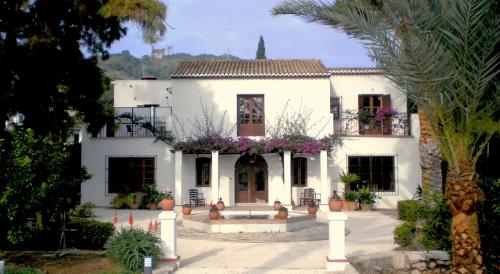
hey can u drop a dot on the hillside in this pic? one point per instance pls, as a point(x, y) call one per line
point(126, 66)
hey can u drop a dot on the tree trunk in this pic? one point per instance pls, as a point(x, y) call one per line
point(430, 158)
point(463, 196)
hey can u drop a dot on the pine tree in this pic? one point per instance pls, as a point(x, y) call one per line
point(261, 49)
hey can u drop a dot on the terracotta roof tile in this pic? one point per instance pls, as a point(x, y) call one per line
point(250, 69)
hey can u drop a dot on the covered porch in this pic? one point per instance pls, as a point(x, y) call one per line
point(251, 179)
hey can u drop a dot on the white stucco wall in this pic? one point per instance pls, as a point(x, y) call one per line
point(348, 87)
point(222, 94)
point(95, 150)
point(131, 93)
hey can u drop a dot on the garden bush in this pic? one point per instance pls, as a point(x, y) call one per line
point(84, 211)
point(89, 234)
point(22, 270)
point(436, 228)
point(489, 222)
point(409, 210)
point(403, 234)
point(130, 245)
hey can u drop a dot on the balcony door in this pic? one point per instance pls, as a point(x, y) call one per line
point(368, 106)
point(251, 179)
point(251, 115)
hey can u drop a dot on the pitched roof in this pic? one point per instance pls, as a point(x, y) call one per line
point(355, 70)
point(250, 69)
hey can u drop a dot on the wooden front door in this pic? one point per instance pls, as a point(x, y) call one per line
point(251, 180)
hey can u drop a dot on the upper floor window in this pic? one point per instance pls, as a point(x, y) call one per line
point(335, 107)
point(203, 166)
point(251, 115)
point(130, 174)
point(376, 172)
point(299, 171)
point(368, 106)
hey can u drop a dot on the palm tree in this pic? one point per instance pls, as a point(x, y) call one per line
point(442, 55)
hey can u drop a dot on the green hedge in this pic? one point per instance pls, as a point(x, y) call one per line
point(22, 270)
point(403, 234)
point(89, 234)
point(409, 210)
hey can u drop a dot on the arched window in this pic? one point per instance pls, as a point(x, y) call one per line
point(203, 166)
point(299, 171)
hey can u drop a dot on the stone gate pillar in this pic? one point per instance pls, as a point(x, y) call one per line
point(336, 260)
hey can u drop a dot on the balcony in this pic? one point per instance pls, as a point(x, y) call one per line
point(134, 122)
point(359, 123)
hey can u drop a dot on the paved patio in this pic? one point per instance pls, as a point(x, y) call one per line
point(369, 233)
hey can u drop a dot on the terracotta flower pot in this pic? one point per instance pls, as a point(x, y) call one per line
point(167, 204)
point(220, 206)
point(335, 205)
point(186, 211)
point(152, 206)
point(366, 207)
point(277, 206)
point(349, 206)
point(282, 214)
point(213, 215)
point(312, 210)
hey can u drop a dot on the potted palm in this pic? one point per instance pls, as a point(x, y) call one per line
point(283, 213)
point(313, 208)
point(213, 212)
point(350, 201)
point(335, 202)
point(186, 209)
point(349, 179)
point(151, 198)
point(366, 199)
point(277, 205)
point(167, 202)
point(220, 205)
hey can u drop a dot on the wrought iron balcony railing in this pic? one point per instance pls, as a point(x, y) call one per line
point(136, 122)
point(355, 123)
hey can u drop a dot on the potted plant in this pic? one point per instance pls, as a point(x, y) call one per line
point(122, 200)
point(152, 197)
point(349, 179)
point(186, 209)
point(167, 202)
point(366, 199)
point(313, 208)
point(277, 205)
point(213, 212)
point(350, 201)
point(220, 205)
point(282, 213)
point(335, 202)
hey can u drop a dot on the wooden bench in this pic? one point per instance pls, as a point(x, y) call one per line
point(308, 196)
point(196, 198)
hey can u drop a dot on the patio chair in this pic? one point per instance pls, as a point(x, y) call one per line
point(308, 196)
point(196, 198)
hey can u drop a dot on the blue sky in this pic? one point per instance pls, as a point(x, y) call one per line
point(234, 27)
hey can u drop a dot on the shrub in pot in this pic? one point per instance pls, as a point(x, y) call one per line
point(220, 205)
point(123, 200)
point(277, 205)
point(366, 199)
point(152, 197)
point(167, 202)
point(213, 212)
point(350, 201)
point(349, 179)
point(313, 208)
point(335, 202)
point(283, 213)
point(186, 209)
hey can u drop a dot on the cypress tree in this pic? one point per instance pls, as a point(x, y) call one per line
point(261, 49)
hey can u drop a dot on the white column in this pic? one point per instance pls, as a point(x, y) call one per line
point(336, 260)
point(287, 177)
point(325, 186)
point(214, 178)
point(168, 237)
point(178, 177)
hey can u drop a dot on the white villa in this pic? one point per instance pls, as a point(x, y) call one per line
point(251, 95)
